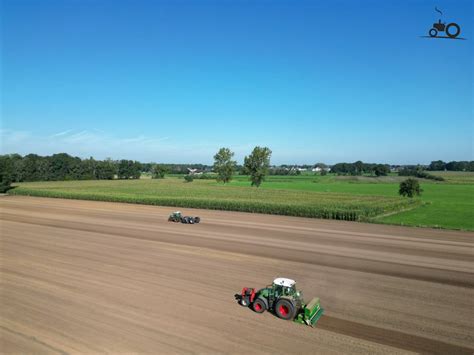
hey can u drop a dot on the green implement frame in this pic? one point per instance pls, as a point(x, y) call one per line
point(310, 313)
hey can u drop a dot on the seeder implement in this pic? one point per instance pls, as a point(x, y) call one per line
point(310, 313)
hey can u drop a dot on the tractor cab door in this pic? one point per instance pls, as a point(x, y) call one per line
point(280, 291)
point(273, 294)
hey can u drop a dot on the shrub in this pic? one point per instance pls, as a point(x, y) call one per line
point(188, 178)
point(410, 187)
point(205, 176)
point(419, 173)
point(158, 171)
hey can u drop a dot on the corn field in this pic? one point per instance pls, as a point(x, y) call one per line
point(205, 194)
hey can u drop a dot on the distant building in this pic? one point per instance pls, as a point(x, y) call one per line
point(318, 169)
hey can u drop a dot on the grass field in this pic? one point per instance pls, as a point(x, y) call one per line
point(448, 204)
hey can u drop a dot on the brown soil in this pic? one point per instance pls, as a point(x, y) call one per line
point(96, 277)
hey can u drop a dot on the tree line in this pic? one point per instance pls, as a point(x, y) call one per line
point(62, 166)
point(418, 172)
point(360, 168)
point(439, 165)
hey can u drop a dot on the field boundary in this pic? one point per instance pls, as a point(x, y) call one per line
point(399, 211)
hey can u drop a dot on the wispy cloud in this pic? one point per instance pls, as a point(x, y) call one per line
point(61, 133)
point(91, 142)
point(100, 145)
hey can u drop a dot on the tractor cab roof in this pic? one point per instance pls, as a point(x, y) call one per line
point(281, 281)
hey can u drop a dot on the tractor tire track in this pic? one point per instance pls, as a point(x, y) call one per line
point(389, 337)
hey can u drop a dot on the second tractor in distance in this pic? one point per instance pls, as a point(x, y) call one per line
point(178, 217)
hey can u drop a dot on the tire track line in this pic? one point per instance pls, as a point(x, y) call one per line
point(388, 268)
point(389, 337)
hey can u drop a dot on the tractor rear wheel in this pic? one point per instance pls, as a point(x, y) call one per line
point(285, 309)
point(259, 305)
point(455, 33)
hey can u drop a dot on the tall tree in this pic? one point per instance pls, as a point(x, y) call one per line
point(257, 164)
point(357, 168)
point(106, 169)
point(124, 169)
point(224, 166)
point(437, 165)
point(6, 173)
point(158, 171)
point(129, 169)
point(381, 170)
point(136, 170)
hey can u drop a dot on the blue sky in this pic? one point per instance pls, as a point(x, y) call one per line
point(172, 81)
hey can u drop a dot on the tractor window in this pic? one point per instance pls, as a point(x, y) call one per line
point(288, 291)
point(278, 290)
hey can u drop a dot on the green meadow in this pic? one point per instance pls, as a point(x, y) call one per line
point(448, 204)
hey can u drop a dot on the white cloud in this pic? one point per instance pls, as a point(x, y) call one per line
point(101, 145)
point(87, 143)
point(61, 133)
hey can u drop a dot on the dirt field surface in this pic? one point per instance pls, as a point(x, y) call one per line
point(95, 277)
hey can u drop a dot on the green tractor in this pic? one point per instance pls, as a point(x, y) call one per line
point(178, 217)
point(284, 300)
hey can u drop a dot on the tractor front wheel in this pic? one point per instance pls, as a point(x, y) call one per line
point(433, 32)
point(259, 305)
point(284, 309)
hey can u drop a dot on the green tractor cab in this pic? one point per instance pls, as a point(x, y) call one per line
point(284, 300)
point(178, 217)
